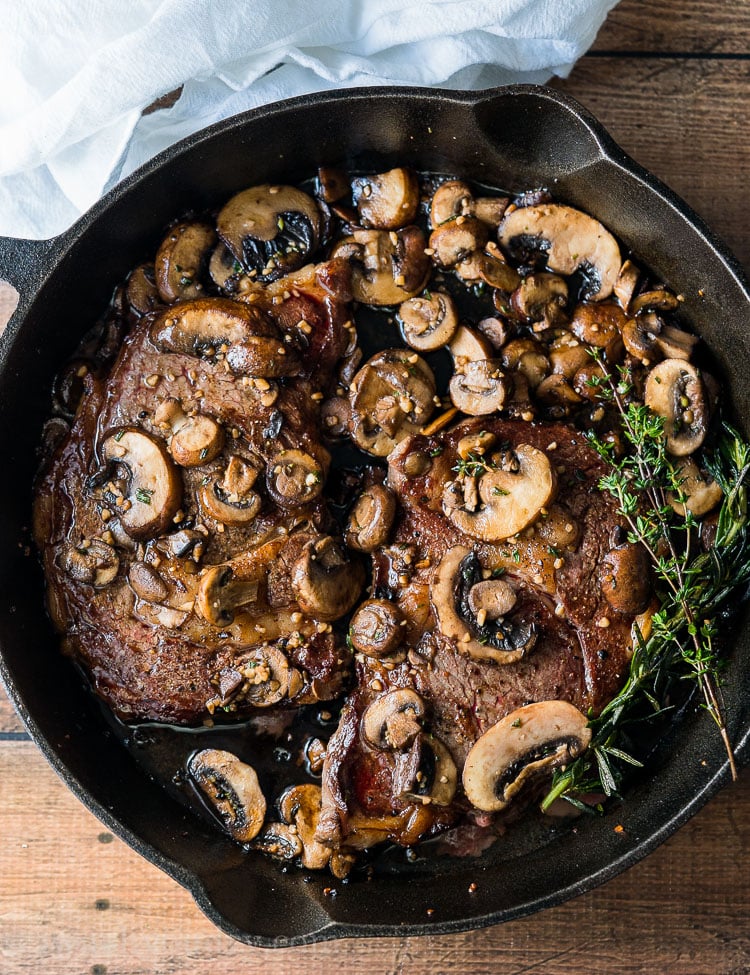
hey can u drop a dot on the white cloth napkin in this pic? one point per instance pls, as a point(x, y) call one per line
point(75, 75)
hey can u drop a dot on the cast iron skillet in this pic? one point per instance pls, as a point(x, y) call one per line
point(512, 137)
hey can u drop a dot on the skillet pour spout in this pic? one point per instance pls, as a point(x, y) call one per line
point(512, 137)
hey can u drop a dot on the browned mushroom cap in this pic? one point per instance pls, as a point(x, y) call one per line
point(229, 496)
point(392, 721)
point(557, 394)
point(450, 200)
point(93, 561)
point(566, 354)
point(153, 488)
point(458, 239)
point(300, 807)
point(371, 519)
point(325, 581)
point(698, 492)
point(527, 357)
point(657, 300)
point(451, 598)
point(428, 322)
point(270, 230)
point(295, 477)
point(387, 266)
point(508, 499)
point(147, 583)
point(495, 330)
point(625, 579)
point(233, 790)
point(541, 297)
point(490, 209)
point(333, 184)
point(336, 413)
point(196, 439)
point(180, 259)
point(391, 398)
point(674, 390)
point(528, 742)
point(242, 333)
point(140, 291)
point(387, 201)
point(490, 268)
point(376, 628)
point(639, 336)
point(597, 324)
point(480, 388)
point(569, 238)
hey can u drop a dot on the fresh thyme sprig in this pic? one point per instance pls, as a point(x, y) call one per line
point(693, 585)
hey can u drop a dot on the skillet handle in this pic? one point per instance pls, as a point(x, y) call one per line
point(23, 265)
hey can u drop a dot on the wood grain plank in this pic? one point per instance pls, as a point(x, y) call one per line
point(686, 121)
point(697, 27)
point(10, 723)
point(72, 891)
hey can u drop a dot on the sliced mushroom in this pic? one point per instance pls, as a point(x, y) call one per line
point(387, 201)
point(333, 184)
point(625, 579)
point(393, 721)
point(220, 594)
point(261, 677)
point(558, 395)
point(639, 336)
point(659, 300)
point(468, 345)
point(475, 443)
point(542, 298)
point(300, 807)
point(570, 240)
point(457, 240)
point(223, 267)
point(279, 840)
point(674, 390)
point(567, 355)
point(450, 200)
point(147, 583)
point(180, 259)
point(509, 500)
point(488, 267)
point(491, 599)
point(376, 629)
point(427, 773)
point(480, 388)
point(598, 324)
point(242, 333)
point(271, 230)
point(428, 322)
point(196, 439)
point(699, 493)
point(529, 742)
point(326, 583)
point(154, 488)
point(233, 790)
point(294, 477)
point(371, 519)
point(626, 283)
point(93, 561)
point(141, 292)
point(387, 266)
point(230, 498)
point(527, 357)
point(391, 398)
point(495, 330)
point(457, 576)
point(675, 343)
point(490, 209)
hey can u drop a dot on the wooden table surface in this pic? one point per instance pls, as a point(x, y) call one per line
point(671, 81)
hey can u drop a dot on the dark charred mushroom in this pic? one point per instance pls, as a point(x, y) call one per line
point(93, 561)
point(387, 266)
point(270, 230)
point(625, 579)
point(152, 489)
point(508, 499)
point(477, 633)
point(371, 519)
point(569, 239)
point(525, 744)
point(242, 333)
point(480, 387)
point(674, 390)
point(376, 629)
point(387, 201)
point(229, 497)
point(233, 790)
point(196, 439)
point(325, 581)
point(392, 721)
point(427, 323)
point(391, 398)
point(180, 259)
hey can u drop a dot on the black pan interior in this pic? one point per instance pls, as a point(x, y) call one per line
point(514, 138)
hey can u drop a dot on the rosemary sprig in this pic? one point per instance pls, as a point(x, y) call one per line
point(693, 586)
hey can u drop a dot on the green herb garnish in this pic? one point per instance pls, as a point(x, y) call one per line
point(143, 495)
